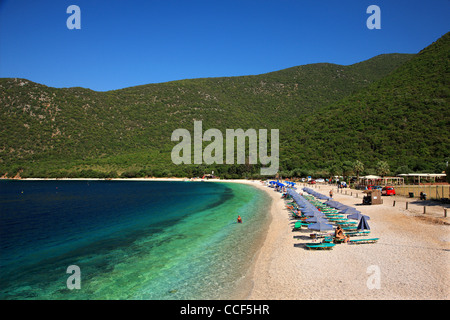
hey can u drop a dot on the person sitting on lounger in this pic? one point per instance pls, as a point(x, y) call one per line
point(340, 235)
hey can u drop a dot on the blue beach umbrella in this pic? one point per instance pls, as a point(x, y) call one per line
point(322, 196)
point(330, 202)
point(337, 205)
point(357, 216)
point(313, 213)
point(316, 219)
point(363, 225)
point(309, 213)
point(349, 210)
point(320, 226)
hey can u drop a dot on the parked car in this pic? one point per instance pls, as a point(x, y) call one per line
point(312, 182)
point(342, 184)
point(320, 180)
point(388, 191)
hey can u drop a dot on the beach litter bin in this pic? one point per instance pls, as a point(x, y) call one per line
point(411, 194)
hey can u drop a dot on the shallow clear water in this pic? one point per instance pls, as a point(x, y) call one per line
point(131, 239)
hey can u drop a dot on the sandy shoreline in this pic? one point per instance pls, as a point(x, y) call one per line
point(412, 255)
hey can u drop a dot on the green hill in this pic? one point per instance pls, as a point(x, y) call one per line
point(402, 119)
point(325, 113)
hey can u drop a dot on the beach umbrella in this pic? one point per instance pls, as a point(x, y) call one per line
point(309, 213)
point(313, 214)
point(342, 207)
point(349, 210)
point(337, 205)
point(320, 226)
point(321, 196)
point(330, 202)
point(357, 216)
point(363, 225)
point(316, 219)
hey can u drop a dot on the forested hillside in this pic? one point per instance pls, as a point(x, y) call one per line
point(391, 108)
point(402, 119)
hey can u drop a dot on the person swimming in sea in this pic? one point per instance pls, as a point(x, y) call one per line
point(239, 220)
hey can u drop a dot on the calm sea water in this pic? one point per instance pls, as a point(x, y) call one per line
point(130, 239)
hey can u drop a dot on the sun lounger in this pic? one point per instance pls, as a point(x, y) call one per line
point(320, 246)
point(349, 228)
point(332, 239)
point(321, 235)
point(294, 215)
point(355, 233)
point(361, 241)
point(299, 224)
point(342, 220)
point(346, 223)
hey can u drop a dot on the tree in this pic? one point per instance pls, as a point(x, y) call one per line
point(447, 172)
point(358, 167)
point(382, 168)
point(335, 170)
point(347, 169)
point(403, 169)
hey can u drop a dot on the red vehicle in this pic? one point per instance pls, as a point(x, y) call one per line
point(388, 191)
point(312, 182)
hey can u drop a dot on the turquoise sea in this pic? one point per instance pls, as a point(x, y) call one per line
point(130, 239)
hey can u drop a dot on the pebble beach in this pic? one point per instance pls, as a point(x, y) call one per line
point(411, 259)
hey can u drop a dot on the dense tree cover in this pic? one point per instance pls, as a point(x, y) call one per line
point(402, 119)
point(333, 120)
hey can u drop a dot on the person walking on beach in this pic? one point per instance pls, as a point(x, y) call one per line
point(331, 193)
point(239, 220)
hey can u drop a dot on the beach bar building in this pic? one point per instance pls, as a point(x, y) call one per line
point(425, 177)
point(380, 181)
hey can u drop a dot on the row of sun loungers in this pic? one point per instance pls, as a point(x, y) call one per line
point(330, 245)
point(328, 241)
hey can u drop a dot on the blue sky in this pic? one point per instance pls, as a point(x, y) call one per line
point(127, 43)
